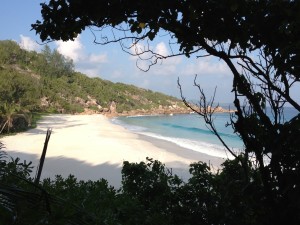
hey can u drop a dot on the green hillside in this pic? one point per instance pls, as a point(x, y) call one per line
point(47, 83)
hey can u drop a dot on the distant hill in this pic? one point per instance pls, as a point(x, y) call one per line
point(47, 82)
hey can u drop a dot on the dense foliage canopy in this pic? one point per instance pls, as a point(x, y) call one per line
point(149, 194)
point(258, 40)
point(271, 26)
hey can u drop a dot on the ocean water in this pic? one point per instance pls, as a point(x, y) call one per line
point(189, 131)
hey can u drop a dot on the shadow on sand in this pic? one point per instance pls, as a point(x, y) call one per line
point(66, 166)
point(84, 171)
point(60, 121)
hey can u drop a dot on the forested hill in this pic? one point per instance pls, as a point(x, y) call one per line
point(47, 82)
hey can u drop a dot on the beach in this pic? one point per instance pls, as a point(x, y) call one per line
point(91, 147)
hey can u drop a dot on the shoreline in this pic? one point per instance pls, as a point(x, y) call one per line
point(92, 147)
point(189, 154)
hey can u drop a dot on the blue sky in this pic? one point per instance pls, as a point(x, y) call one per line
point(111, 63)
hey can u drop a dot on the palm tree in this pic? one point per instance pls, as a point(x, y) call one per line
point(8, 111)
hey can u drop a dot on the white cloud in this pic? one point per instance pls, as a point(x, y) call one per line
point(163, 67)
point(168, 66)
point(28, 44)
point(140, 56)
point(89, 64)
point(93, 58)
point(206, 66)
point(91, 72)
point(161, 49)
point(71, 49)
point(137, 48)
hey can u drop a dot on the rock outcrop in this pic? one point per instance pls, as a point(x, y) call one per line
point(92, 106)
point(169, 110)
point(113, 107)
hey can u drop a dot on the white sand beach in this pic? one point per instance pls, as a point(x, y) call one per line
point(91, 147)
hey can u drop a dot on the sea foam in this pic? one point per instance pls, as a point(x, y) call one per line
point(198, 146)
point(194, 145)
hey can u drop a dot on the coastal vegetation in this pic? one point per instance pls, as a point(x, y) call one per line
point(46, 82)
point(259, 41)
point(149, 194)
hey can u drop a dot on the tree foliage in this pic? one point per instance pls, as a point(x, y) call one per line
point(55, 64)
point(23, 202)
point(258, 40)
point(149, 194)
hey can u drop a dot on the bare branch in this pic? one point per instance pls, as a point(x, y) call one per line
point(205, 110)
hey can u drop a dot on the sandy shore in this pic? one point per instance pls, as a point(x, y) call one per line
point(91, 147)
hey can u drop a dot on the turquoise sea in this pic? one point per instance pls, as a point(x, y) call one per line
point(188, 130)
